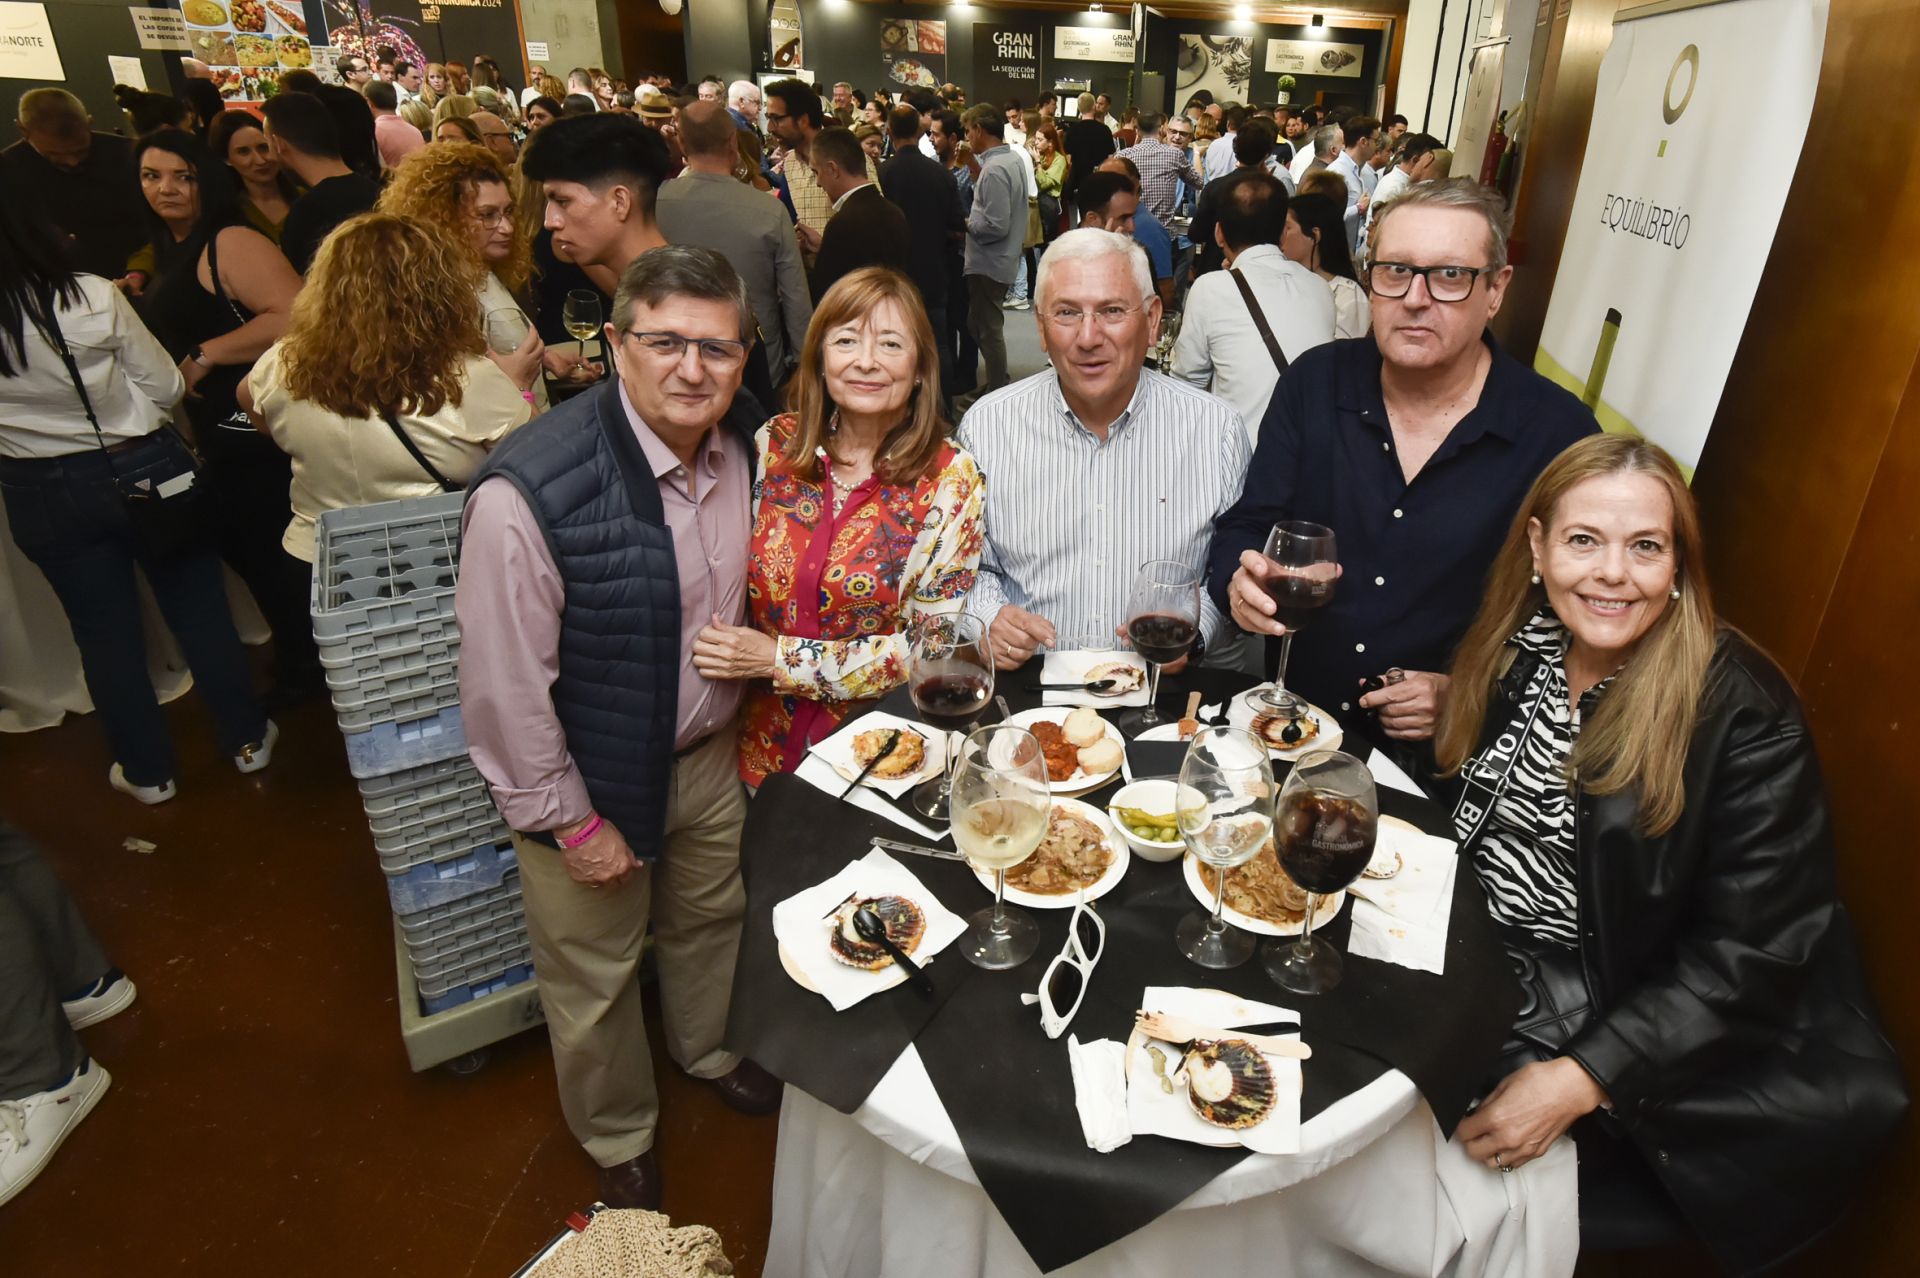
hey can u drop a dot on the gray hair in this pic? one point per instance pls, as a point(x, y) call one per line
point(1326, 141)
point(739, 92)
point(680, 270)
point(1087, 244)
point(1453, 193)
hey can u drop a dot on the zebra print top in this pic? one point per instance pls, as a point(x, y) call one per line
point(1525, 856)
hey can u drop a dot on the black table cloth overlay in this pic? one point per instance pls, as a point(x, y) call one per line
point(1008, 1088)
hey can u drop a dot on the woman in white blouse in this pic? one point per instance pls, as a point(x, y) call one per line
point(80, 443)
point(1316, 237)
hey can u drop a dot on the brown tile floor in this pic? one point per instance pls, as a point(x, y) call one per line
point(263, 1118)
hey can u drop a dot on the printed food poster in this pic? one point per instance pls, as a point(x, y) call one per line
point(915, 53)
point(247, 43)
point(1223, 65)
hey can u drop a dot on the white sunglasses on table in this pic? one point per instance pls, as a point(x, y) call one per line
point(1075, 957)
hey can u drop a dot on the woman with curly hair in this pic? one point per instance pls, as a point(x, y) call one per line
point(467, 190)
point(382, 394)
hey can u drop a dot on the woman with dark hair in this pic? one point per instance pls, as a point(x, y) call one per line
point(1638, 794)
point(223, 295)
point(148, 111)
point(1316, 238)
point(266, 191)
point(541, 112)
point(457, 129)
point(77, 441)
point(868, 523)
point(203, 97)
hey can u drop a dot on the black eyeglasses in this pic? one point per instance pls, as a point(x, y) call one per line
point(722, 353)
point(1444, 283)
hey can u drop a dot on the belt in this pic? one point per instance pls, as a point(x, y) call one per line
point(701, 744)
point(545, 837)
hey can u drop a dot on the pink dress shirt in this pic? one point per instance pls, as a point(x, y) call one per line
point(509, 603)
point(396, 139)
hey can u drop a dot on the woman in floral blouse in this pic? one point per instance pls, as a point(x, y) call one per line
point(867, 522)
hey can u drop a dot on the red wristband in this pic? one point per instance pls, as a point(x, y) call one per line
point(585, 832)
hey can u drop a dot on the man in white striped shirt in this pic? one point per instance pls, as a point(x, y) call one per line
point(1096, 465)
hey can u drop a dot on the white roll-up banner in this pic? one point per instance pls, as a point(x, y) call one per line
point(1679, 197)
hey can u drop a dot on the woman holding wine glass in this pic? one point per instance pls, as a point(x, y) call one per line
point(867, 526)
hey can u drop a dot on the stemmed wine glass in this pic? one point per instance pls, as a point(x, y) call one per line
point(1305, 567)
point(1163, 619)
point(506, 329)
point(1324, 830)
point(580, 316)
point(950, 677)
point(1224, 806)
point(1001, 805)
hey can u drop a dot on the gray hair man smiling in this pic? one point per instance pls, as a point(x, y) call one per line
point(1097, 464)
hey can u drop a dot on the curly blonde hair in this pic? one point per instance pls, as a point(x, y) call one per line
point(386, 321)
point(436, 186)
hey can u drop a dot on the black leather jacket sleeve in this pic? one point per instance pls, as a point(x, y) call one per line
point(1732, 906)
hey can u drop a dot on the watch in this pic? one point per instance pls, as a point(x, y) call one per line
point(199, 357)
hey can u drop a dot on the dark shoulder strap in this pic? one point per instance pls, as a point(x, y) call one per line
point(1260, 320)
point(213, 273)
point(73, 368)
point(413, 450)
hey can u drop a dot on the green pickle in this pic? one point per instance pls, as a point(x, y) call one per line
point(1149, 825)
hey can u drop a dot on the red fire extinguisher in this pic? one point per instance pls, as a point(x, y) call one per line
point(1496, 147)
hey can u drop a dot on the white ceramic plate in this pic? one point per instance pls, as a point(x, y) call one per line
point(1240, 713)
point(1080, 782)
point(1100, 886)
point(1325, 907)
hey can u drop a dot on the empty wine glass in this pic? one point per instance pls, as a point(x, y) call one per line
point(1001, 806)
point(1324, 830)
point(1305, 566)
point(1224, 807)
point(950, 677)
point(1163, 620)
point(506, 329)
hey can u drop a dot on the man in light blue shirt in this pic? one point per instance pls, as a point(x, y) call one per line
point(996, 233)
point(1096, 465)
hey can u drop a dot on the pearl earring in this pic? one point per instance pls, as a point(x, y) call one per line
point(1675, 592)
point(1536, 579)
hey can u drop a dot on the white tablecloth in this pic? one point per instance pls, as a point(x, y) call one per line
point(1375, 1190)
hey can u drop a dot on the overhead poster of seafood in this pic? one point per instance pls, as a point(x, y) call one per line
point(1315, 57)
point(914, 53)
point(1223, 65)
point(247, 43)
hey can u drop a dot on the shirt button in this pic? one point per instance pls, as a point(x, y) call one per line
point(1385, 447)
point(1359, 647)
point(1397, 514)
point(1379, 581)
point(1345, 706)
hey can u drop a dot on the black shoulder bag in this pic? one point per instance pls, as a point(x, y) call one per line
point(164, 507)
point(1260, 320)
point(413, 451)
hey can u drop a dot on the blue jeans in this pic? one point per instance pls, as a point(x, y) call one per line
point(69, 518)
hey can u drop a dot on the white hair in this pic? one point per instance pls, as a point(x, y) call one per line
point(1087, 244)
point(737, 92)
point(1326, 141)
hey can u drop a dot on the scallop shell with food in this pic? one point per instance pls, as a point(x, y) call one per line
point(1229, 1083)
point(906, 924)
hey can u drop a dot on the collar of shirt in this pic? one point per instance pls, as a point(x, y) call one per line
point(1343, 163)
point(849, 195)
point(1360, 392)
point(1127, 414)
point(662, 459)
point(1545, 635)
point(1257, 253)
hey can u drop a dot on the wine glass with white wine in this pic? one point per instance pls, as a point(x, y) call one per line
point(1001, 806)
point(580, 316)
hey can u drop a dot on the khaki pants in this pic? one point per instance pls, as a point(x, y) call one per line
point(586, 955)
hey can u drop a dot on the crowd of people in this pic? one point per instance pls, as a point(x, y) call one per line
point(696, 543)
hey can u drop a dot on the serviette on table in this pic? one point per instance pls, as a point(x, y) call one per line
point(800, 923)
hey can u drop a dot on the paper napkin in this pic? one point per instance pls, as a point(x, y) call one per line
point(801, 925)
point(837, 752)
point(1151, 1111)
point(818, 773)
point(1100, 1091)
point(1404, 919)
point(1072, 667)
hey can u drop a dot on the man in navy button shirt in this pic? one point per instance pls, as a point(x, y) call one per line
point(1415, 446)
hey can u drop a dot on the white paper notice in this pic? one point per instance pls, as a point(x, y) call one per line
point(27, 50)
point(161, 29)
point(127, 71)
point(537, 51)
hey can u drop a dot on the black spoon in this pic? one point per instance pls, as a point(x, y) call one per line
point(1098, 688)
point(873, 929)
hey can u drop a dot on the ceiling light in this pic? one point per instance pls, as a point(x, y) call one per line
point(1242, 12)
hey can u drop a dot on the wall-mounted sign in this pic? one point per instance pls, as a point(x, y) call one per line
point(1006, 62)
point(160, 29)
point(1092, 44)
point(127, 71)
point(537, 51)
point(1313, 57)
point(27, 50)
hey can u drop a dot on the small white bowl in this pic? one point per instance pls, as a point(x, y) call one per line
point(1149, 796)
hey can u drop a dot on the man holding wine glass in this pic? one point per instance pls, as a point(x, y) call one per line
point(1413, 446)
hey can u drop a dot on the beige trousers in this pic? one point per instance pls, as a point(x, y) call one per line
point(586, 956)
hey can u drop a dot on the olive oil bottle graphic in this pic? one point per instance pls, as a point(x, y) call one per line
point(1602, 356)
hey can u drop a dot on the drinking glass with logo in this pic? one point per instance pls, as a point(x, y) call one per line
point(950, 677)
point(1001, 805)
point(1306, 566)
point(1224, 807)
point(1323, 830)
point(1163, 620)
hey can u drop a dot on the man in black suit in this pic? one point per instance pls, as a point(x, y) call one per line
point(925, 193)
point(865, 230)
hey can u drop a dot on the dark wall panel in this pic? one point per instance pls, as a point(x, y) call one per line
point(87, 31)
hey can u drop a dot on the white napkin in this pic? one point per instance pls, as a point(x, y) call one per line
point(817, 772)
point(1151, 1111)
point(800, 924)
point(1404, 919)
point(1072, 667)
point(837, 751)
point(1100, 1091)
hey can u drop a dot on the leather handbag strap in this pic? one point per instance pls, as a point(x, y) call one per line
point(1260, 320)
point(413, 450)
point(73, 371)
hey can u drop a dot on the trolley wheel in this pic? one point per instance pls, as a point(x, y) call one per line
point(468, 1062)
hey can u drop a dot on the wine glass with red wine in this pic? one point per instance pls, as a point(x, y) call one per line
point(1304, 567)
point(1163, 620)
point(1323, 830)
point(950, 677)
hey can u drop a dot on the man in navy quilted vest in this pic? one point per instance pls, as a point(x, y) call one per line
point(598, 540)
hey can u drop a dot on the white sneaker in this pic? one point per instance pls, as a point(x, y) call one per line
point(111, 995)
point(254, 757)
point(147, 794)
point(32, 1128)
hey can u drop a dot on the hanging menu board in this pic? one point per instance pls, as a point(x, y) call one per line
point(247, 43)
